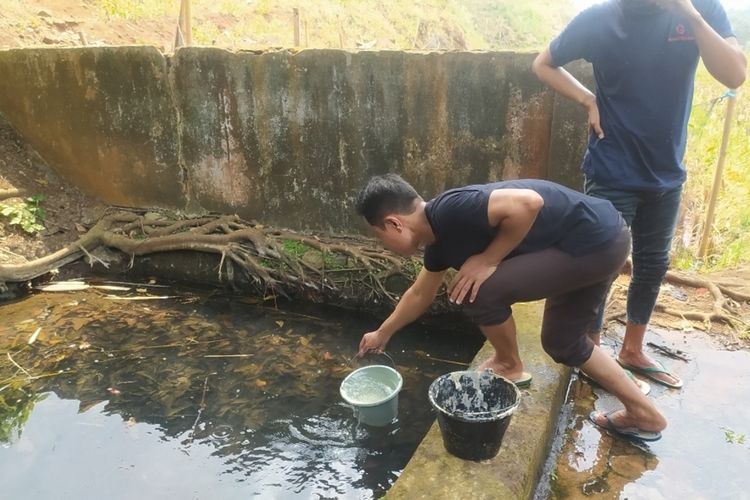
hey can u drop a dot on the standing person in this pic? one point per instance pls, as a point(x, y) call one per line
point(513, 241)
point(644, 55)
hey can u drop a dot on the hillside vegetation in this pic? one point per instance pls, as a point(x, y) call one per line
point(392, 24)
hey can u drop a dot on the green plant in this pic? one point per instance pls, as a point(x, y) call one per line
point(133, 9)
point(16, 406)
point(730, 243)
point(296, 248)
point(29, 214)
point(732, 437)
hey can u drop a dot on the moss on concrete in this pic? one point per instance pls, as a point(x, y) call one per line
point(284, 137)
point(513, 474)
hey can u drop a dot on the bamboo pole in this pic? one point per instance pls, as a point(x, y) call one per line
point(186, 25)
point(708, 225)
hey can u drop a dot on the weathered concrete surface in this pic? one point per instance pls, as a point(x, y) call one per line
point(513, 474)
point(103, 118)
point(570, 129)
point(290, 138)
point(284, 137)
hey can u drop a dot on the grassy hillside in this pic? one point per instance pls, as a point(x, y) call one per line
point(395, 24)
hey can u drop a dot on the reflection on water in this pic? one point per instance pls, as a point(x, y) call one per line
point(197, 397)
point(703, 454)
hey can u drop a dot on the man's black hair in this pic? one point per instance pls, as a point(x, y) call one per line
point(384, 195)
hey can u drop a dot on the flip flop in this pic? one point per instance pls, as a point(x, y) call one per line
point(650, 372)
point(523, 381)
point(644, 387)
point(633, 433)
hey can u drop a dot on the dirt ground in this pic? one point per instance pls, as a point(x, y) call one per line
point(69, 212)
point(76, 23)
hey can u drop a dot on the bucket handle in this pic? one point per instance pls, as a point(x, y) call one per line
point(382, 352)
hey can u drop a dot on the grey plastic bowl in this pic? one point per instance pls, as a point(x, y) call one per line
point(381, 412)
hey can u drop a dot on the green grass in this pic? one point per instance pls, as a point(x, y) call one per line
point(501, 24)
point(136, 9)
point(730, 238)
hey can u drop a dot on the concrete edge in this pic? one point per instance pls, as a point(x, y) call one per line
point(513, 474)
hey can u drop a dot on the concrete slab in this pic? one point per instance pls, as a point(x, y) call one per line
point(704, 452)
point(434, 473)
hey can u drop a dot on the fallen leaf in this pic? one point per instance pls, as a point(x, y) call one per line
point(63, 286)
point(280, 323)
point(84, 345)
point(78, 323)
point(113, 288)
point(327, 356)
point(304, 341)
point(275, 340)
point(260, 383)
point(114, 391)
point(35, 335)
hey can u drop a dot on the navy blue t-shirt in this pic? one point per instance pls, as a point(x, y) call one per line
point(644, 60)
point(569, 220)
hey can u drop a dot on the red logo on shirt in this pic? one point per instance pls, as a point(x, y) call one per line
point(681, 34)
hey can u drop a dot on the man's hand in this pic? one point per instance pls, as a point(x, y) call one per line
point(373, 342)
point(593, 111)
point(469, 278)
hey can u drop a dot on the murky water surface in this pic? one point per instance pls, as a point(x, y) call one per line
point(197, 397)
point(703, 454)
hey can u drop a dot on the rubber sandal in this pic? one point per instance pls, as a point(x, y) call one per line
point(650, 372)
point(633, 433)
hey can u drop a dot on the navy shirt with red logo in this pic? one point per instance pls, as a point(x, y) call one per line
point(569, 221)
point(644, 60)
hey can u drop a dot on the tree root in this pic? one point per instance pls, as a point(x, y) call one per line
point(721, 310)
point(280, 262)
point(11, 193)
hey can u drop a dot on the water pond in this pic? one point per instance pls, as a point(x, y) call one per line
point(197, 396)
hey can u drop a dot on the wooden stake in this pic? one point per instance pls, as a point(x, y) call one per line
point(708, 225)
point(307, 39)
point(296, 26)
point(186, 25)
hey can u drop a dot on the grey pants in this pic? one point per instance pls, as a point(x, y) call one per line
point(575, 287)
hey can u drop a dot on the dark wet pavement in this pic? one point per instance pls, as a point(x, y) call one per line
point(703, 454)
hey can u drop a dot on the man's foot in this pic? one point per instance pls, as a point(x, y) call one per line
point(516, 374)
point(647, 367)
point(644, 387)
point(623, 424)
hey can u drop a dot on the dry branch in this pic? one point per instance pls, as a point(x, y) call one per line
point(721, 308)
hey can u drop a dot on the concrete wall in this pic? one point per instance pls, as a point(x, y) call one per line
point(286, 138)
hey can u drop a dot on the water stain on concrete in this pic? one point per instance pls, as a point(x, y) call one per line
point(704, 453)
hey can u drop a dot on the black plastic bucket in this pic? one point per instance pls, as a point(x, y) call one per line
point(474, 410)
